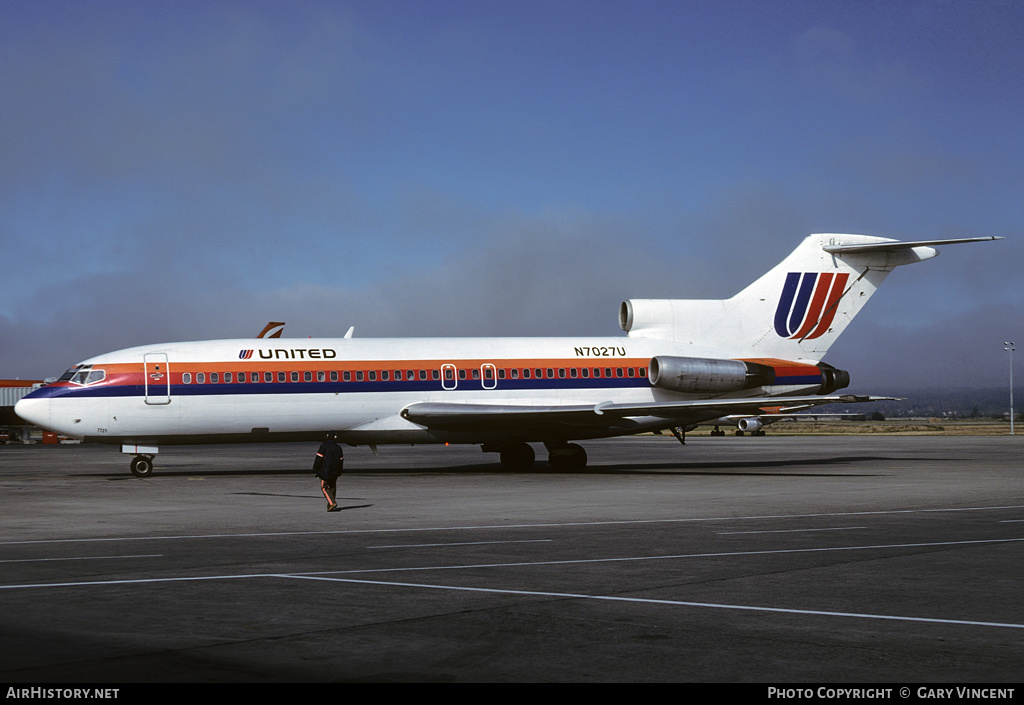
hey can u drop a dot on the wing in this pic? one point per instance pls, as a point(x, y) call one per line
point(605, 416)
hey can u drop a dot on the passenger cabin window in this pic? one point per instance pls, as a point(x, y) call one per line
point(186, 378)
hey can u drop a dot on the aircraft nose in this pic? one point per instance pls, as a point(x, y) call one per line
point(35, 411)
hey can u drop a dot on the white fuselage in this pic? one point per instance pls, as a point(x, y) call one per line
point(280, 389)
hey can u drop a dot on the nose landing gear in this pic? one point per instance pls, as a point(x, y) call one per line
point(142, 463)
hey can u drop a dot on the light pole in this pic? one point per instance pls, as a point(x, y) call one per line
point(1009, 347)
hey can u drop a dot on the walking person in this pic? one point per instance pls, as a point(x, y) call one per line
point(327, 466)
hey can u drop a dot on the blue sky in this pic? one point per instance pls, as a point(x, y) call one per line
point(190, 170)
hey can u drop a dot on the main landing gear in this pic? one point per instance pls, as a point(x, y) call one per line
point(566, 457)
point(517, 456)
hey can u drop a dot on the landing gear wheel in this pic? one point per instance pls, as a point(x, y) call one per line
point(517, 457)
point(142, 466)
point(570, 458)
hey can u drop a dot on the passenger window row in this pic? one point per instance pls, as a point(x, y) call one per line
point(410, 375)
point(307, 376)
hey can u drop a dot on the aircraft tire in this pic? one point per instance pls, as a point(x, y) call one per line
point(572, 458)
point(517, 457)
point(142, 466)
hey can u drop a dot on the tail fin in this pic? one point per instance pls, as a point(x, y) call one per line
point(795, 311)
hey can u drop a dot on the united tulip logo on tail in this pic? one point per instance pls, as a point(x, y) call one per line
point(808, 304)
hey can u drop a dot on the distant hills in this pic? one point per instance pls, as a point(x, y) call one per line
point(944, 402)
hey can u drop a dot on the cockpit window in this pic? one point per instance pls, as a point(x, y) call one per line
point(69, 374)
point(85, 374)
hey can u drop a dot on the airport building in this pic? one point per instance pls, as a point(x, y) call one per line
point(12, 428)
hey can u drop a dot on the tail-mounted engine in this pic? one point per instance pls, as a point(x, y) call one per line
point(832, 379)
point(706, 375)
point(701, 374)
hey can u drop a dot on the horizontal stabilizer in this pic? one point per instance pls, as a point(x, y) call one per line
point(895, 246)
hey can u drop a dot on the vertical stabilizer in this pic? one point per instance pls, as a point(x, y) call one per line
point(795, 311)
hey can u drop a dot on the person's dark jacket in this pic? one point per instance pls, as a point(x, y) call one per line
point(329, 461)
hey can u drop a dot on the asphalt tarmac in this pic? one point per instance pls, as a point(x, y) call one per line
point(774, 560)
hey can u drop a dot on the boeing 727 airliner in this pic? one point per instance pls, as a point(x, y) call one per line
point(681, 362)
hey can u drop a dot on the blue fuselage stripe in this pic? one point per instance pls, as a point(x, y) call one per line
point(364, 387)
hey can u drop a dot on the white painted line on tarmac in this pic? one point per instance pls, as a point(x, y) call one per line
point(673, 603)
point(521, 564)
point(628, 559)
point(622, 522)
point(791, 531)
point(465, 543)
point(79, 558)
point(134, 581)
